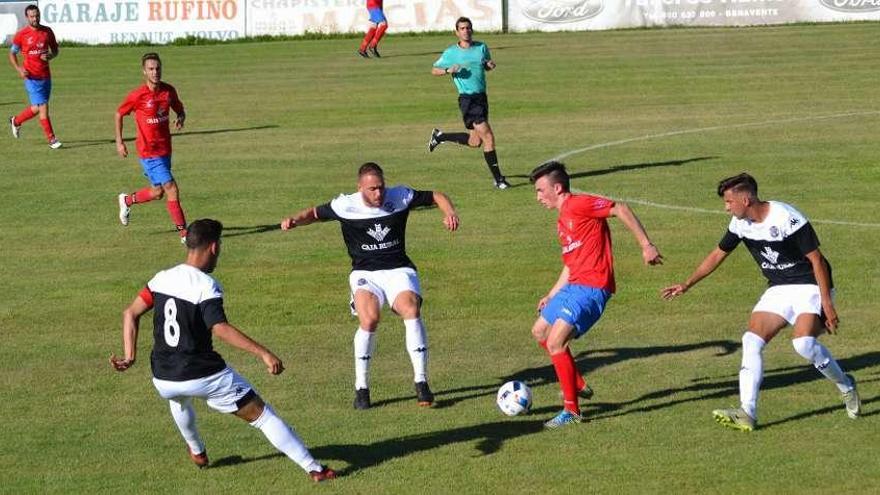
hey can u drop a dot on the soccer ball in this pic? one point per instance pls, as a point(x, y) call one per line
point(514, 397)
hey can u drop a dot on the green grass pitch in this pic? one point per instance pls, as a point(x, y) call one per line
point(661, 116)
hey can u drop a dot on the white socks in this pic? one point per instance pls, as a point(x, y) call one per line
point(417, 347)
point(364, 347)
point(751, 372)
point(185, 418)
point(285, 439)
point(818, 354)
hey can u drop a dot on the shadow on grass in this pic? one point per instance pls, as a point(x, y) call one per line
point(700, 389)
point(626, 168)
point(587, 361)
point(490, 438)
point(100, 142)
point(6, 103)
point(255, 229)
point(232, 231)
point(727, 387)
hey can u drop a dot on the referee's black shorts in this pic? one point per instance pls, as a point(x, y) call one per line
point(474, 109)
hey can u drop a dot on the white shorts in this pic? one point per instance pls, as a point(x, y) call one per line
point(386, 285)
point(790, 301)
point(221, 390)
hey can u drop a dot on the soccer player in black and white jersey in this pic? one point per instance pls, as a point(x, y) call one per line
point(373, 222)
point(785, 246)
point(189, 311)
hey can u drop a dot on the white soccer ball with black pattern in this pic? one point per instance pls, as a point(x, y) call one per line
point(514, 397)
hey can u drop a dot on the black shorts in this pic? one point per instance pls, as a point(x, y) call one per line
point(474, 109)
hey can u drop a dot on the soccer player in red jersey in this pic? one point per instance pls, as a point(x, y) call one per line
point(578, 298)
point(151, 104)
point(378, 25)
point(37, 46)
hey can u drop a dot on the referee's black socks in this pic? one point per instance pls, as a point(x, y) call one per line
point(456, 137)
point(492, 162)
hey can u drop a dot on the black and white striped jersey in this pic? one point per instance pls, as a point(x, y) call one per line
point(187, 302)
point(779, 244)
point(376, 237)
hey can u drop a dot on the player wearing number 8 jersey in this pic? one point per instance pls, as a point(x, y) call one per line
point(189, 310)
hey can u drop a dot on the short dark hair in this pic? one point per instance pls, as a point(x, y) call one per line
point(370, 168)
point(202, 233)
point(30, 8)
point(150, 56)
point(463, 19)
point(555, 173)
point(739, 183)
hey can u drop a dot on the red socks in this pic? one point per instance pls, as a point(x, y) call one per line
point(143, 196)
point(177, 216)
point(367, 38)
point(24, 116)
point(566, 356)
point(47, 128)
point(380, 31)
point(567, 373)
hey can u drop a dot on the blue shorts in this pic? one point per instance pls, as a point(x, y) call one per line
point(577, 305)
point(157, 169)
point(38, 90)
point(377, 16)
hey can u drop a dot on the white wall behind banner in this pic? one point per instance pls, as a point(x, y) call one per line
point(161, 21)
point(581, 15)
point(345, 16)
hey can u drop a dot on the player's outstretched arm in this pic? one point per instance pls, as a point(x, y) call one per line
point(302, 217)
point(131, 318)
point(236, 338)
point(823, 279)
point(650, 254)
point(450, 216)
point(121, 150)
point(707, 266)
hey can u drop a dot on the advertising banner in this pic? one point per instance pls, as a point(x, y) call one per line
point(156, 21)
point(11, 19)
point(272, 17)
point(581, 15)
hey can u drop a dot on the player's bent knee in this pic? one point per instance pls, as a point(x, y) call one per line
point(805, 346)
point(250, 407)
point(555, 347)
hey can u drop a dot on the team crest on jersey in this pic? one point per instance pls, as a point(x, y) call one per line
point(794, 221)
point(378, 232)
point(774, 232)
point(361, 281)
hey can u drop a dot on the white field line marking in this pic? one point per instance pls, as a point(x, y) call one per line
point(712, 128)
point(716, 128)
